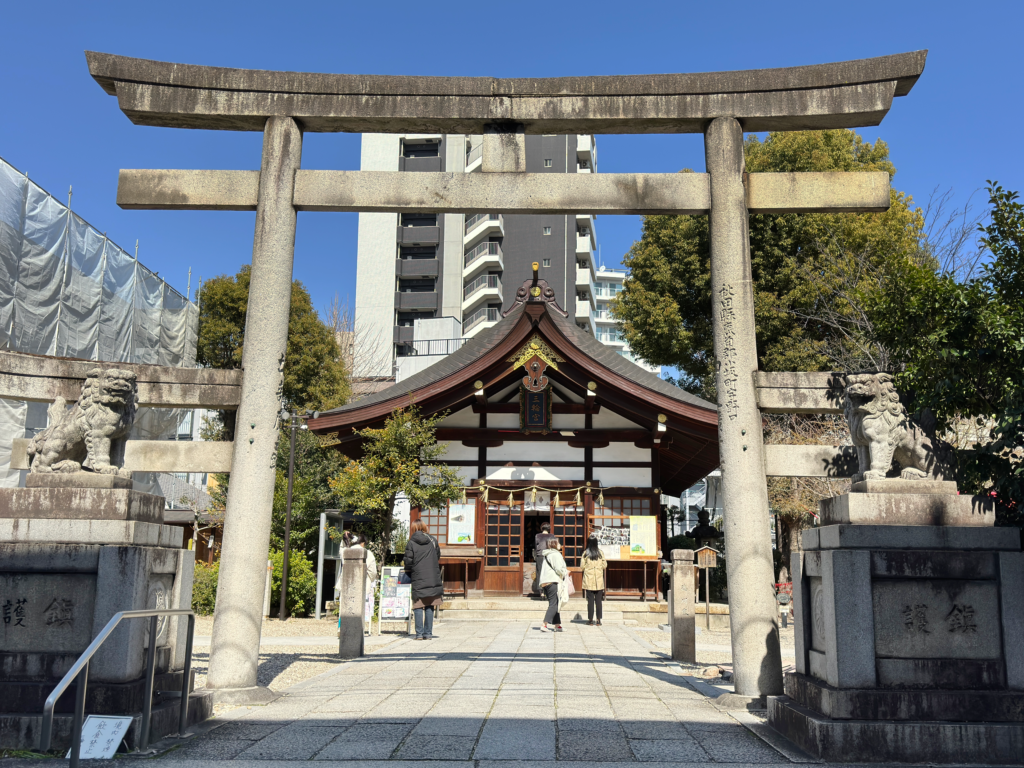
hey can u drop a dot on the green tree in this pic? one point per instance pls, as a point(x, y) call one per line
point(314, 373)
point(402, 458)
point(301, 583)
point(800, 264)
point(204, 588)
point(315, 465)
point(962, 347)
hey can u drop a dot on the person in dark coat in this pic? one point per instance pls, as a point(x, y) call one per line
point(422, 564)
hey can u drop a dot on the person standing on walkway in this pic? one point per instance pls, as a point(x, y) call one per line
point(594, 566)
point(423, 564)
point(540, 546)
point(350, 539)
point(551, 578)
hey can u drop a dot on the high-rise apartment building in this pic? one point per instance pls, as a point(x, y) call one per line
point(427, 282)
point(608, 285)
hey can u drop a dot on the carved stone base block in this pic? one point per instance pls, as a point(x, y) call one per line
point(907, 644)
point(75, 503)
point(884, 508)
point(62, 578)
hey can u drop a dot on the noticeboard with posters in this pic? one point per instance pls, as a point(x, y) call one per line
point(395, 597)
point(461, 523)
point(633, 537)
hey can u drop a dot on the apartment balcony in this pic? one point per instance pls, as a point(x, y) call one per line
point(419, 235)
point(486, 288)
point(484, 256)
point(416, 267)
point(475, 158)
point(611, 336)
point(585, 284)
point(584, 248)
point(585, 316)
point(483, 225)
point(411, 300)
point(586, 221)
point(604, 316)
point(586, 153)
point(480, 320)
point(420, 164)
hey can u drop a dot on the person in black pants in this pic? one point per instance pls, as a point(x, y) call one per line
point(552, 577)
point(594, 567)
point(540, 546)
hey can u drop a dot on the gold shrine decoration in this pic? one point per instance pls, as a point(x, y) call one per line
point(535, 346)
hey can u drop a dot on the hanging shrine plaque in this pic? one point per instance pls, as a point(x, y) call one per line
point(535, 411)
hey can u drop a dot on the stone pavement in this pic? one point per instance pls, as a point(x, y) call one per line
point(490, 692)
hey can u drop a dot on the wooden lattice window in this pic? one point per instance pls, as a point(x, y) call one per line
point(569, 525)
point(437, 523)
point(628, 506)
point(504, 535)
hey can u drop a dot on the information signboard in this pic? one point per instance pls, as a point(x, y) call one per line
point(395, 597)
point(461, 523)
point(643, 538)
point(101, 736)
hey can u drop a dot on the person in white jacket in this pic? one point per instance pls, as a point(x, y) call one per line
point(552, 584)
point(350, 539)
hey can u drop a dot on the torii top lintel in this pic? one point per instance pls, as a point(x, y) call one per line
point(839, 95)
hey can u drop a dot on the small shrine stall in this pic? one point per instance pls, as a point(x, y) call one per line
point(546, 424)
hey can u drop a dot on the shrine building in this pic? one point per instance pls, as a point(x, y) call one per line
point(547, 424)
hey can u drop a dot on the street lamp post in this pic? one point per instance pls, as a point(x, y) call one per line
point(295, 418)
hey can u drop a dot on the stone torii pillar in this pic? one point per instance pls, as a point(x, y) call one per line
point(235, 643)
point(756, 657)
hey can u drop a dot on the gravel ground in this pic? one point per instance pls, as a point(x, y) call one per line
point(720, 656)
point(281, 667)
point(275, 628)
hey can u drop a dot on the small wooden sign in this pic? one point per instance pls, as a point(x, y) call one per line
point(707, 557)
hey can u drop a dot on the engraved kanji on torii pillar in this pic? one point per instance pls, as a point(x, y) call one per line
point(721, 105)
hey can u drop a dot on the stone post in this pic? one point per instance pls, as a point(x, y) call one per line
point(757, 663)
point(352, 602)
point(235, 644)
point(684, 641)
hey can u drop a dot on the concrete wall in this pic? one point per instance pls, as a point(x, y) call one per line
point(375, 265)
point(450, 252)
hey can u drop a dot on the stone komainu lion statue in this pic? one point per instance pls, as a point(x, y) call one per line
point(91, 436)
point(882, 431)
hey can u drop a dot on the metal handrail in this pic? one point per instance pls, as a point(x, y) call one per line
point(484, 314)
point(472, 221)
point(484, 249)
point(474, 153)
point(81, 669)
point(480, 283)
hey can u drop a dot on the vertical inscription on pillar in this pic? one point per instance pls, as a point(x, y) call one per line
point(729, 398)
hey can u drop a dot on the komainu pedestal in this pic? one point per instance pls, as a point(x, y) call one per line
point(75, 549)
point(909, 636)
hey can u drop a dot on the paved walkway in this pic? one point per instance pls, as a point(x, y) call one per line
point(491, 691)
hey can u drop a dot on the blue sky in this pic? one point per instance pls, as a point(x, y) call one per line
point(957, 128)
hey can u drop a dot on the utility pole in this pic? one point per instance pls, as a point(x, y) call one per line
point(282, 610)
point(295, 419)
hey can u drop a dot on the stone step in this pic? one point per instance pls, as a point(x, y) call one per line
point(526, 604)
point(609, 617)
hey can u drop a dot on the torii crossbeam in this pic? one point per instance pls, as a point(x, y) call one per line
point(720, 105)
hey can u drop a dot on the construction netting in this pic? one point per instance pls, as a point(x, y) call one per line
point(68, 290)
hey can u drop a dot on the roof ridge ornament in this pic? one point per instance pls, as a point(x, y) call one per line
point(535, 346)
point(535, 291)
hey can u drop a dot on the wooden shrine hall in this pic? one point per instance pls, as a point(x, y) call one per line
point(546, 424)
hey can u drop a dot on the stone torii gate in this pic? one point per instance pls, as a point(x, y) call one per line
point(720, 105)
